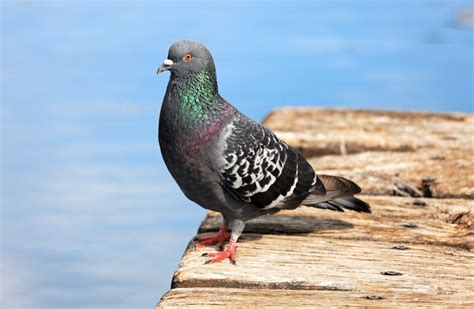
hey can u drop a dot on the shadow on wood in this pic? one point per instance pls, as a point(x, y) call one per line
point(283, 224)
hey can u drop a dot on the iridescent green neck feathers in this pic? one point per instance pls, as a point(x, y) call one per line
point(198, 96)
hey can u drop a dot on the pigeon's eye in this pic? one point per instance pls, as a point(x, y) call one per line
point(188, 57)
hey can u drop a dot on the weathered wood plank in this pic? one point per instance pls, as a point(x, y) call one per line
point(394, 219)
point(311, 263)
point(440, 173)
point(319, 131)
point(386, 151)
point(353, 254)
point(216, 297)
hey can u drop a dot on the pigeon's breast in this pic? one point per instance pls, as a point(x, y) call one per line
point(194, 174)
point(190, 156)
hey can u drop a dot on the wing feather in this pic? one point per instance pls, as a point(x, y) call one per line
point(261, 169)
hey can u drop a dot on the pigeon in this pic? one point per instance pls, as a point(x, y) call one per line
point(226, 162)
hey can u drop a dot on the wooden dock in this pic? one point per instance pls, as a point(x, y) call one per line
point(415, 249)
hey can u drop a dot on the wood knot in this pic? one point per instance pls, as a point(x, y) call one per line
point(374, 297)
point(391, 273)
point(400, 247)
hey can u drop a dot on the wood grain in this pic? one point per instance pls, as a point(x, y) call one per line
point(318, 131)
point(217, 297)
point(381, 149)
point(318, 263)
point(447, 173)
point(397, 219)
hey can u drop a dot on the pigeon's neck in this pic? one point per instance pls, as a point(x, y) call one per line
point(193, 111)
point(198, 97)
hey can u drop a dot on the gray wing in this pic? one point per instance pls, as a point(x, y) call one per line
point(263, 170)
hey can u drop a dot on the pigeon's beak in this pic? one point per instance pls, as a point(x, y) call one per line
point(167, 64)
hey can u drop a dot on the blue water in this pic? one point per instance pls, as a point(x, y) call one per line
point(90, 216)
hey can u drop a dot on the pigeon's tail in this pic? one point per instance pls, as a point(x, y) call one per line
point(335, 193)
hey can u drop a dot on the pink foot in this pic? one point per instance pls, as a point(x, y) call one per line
point(217, 239)
point(219, 256)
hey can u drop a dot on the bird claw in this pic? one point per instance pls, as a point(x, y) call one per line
point(219, 256)
point(217, 239)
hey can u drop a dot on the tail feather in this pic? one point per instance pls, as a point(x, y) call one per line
point(339, 195)
point(335, 183)
point(347, 202)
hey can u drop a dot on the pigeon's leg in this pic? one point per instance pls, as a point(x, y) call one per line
point(237, 226)
point(217, 239)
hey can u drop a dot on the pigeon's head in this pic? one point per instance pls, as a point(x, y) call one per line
point(187, 57)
